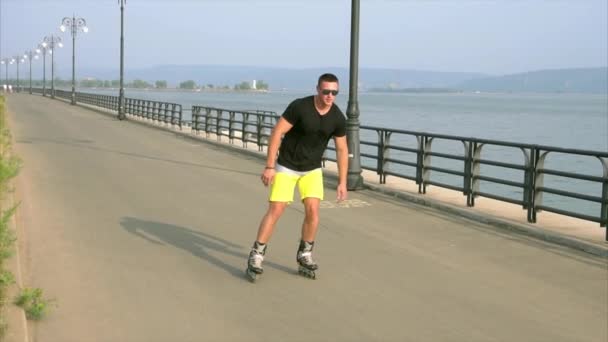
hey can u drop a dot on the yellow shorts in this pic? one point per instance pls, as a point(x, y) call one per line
point(309, 185)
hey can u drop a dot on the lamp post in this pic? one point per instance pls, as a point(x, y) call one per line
point(354, 180)
point(5, 61)
point(30, 56)
point(18, 60)
point(74, 24)
point(42, 47)
point(121, 91)
point(52, 42)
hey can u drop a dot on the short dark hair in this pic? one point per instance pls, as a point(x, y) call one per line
point(327, 77)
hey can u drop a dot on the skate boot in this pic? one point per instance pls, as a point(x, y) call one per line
point(306, 265)
point(254, 262)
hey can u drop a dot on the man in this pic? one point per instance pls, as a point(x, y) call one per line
point(300, 137)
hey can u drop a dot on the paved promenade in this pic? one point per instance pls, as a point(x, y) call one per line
point(142, 235)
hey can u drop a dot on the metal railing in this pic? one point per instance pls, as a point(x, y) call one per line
point(391, 160)
point(247, 126)
point(412, 155)
point(166, 112)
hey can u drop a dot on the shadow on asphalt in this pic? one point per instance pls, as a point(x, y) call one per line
point(195, 242)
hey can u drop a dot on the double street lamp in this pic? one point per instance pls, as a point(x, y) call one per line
point(52, 42)
point(30, 55)
point(5, 61)
point(42, 48)
point(121, 91)
point(18, 60)
point(74, 25)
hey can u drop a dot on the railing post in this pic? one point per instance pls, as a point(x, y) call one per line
point(207, 115)
point(231, 115)
point(259, 130)
point(180, 117)
point(426, 162)
point(245, 136)
point(468, 172)
point(195, 112)
point(604, 204)
point(528, 183)
point(539, 178)
point(380, 155)
point(466, 186)
point(475, 172)
point(386, 153)
point(419, 161)
point(218, 121)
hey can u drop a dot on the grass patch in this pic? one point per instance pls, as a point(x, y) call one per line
point(32, 302)
point(9, 168)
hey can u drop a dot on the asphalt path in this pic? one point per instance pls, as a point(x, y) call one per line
point(141, 234)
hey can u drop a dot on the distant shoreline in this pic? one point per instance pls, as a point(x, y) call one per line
point(413, 90)
point(179, 90)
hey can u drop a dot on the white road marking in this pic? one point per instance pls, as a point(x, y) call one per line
point(347, 204)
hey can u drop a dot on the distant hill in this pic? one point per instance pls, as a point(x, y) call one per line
point(283, 78)
point(583, 80)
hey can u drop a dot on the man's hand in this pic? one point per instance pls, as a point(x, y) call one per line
point(342, 192)
point(268, 176)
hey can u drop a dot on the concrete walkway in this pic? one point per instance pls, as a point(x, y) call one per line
point(142, 235)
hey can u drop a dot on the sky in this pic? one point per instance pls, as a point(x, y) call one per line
point(494, 37)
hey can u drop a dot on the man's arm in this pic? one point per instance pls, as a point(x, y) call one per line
point(342, 158)
point(282, 127)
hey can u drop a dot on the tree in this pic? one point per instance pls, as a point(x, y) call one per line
point(261, 85)
point(91, 83)
point(161, 84)
point(243, 86)
point(190, 84)
point(140, 84)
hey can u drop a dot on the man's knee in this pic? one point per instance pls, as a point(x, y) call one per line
point(311, 209)
point(275, 209)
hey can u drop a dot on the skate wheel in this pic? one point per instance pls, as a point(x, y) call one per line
point(307, 273)
point(252, 276)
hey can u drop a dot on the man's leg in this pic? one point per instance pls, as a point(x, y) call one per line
point(281, 193)
point(274, 212)
point(311, 190)
point(258, 250)
point(309, 232)
point(311, 218)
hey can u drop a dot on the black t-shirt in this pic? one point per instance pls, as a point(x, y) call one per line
point(303, 146)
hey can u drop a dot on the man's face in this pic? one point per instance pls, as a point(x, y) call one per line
point(327, 92)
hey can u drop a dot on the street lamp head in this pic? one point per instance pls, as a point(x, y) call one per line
point(73, 24)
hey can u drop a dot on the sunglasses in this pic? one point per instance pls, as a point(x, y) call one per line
point(328, 91)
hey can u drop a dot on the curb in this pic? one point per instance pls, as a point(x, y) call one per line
point(516, 227)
